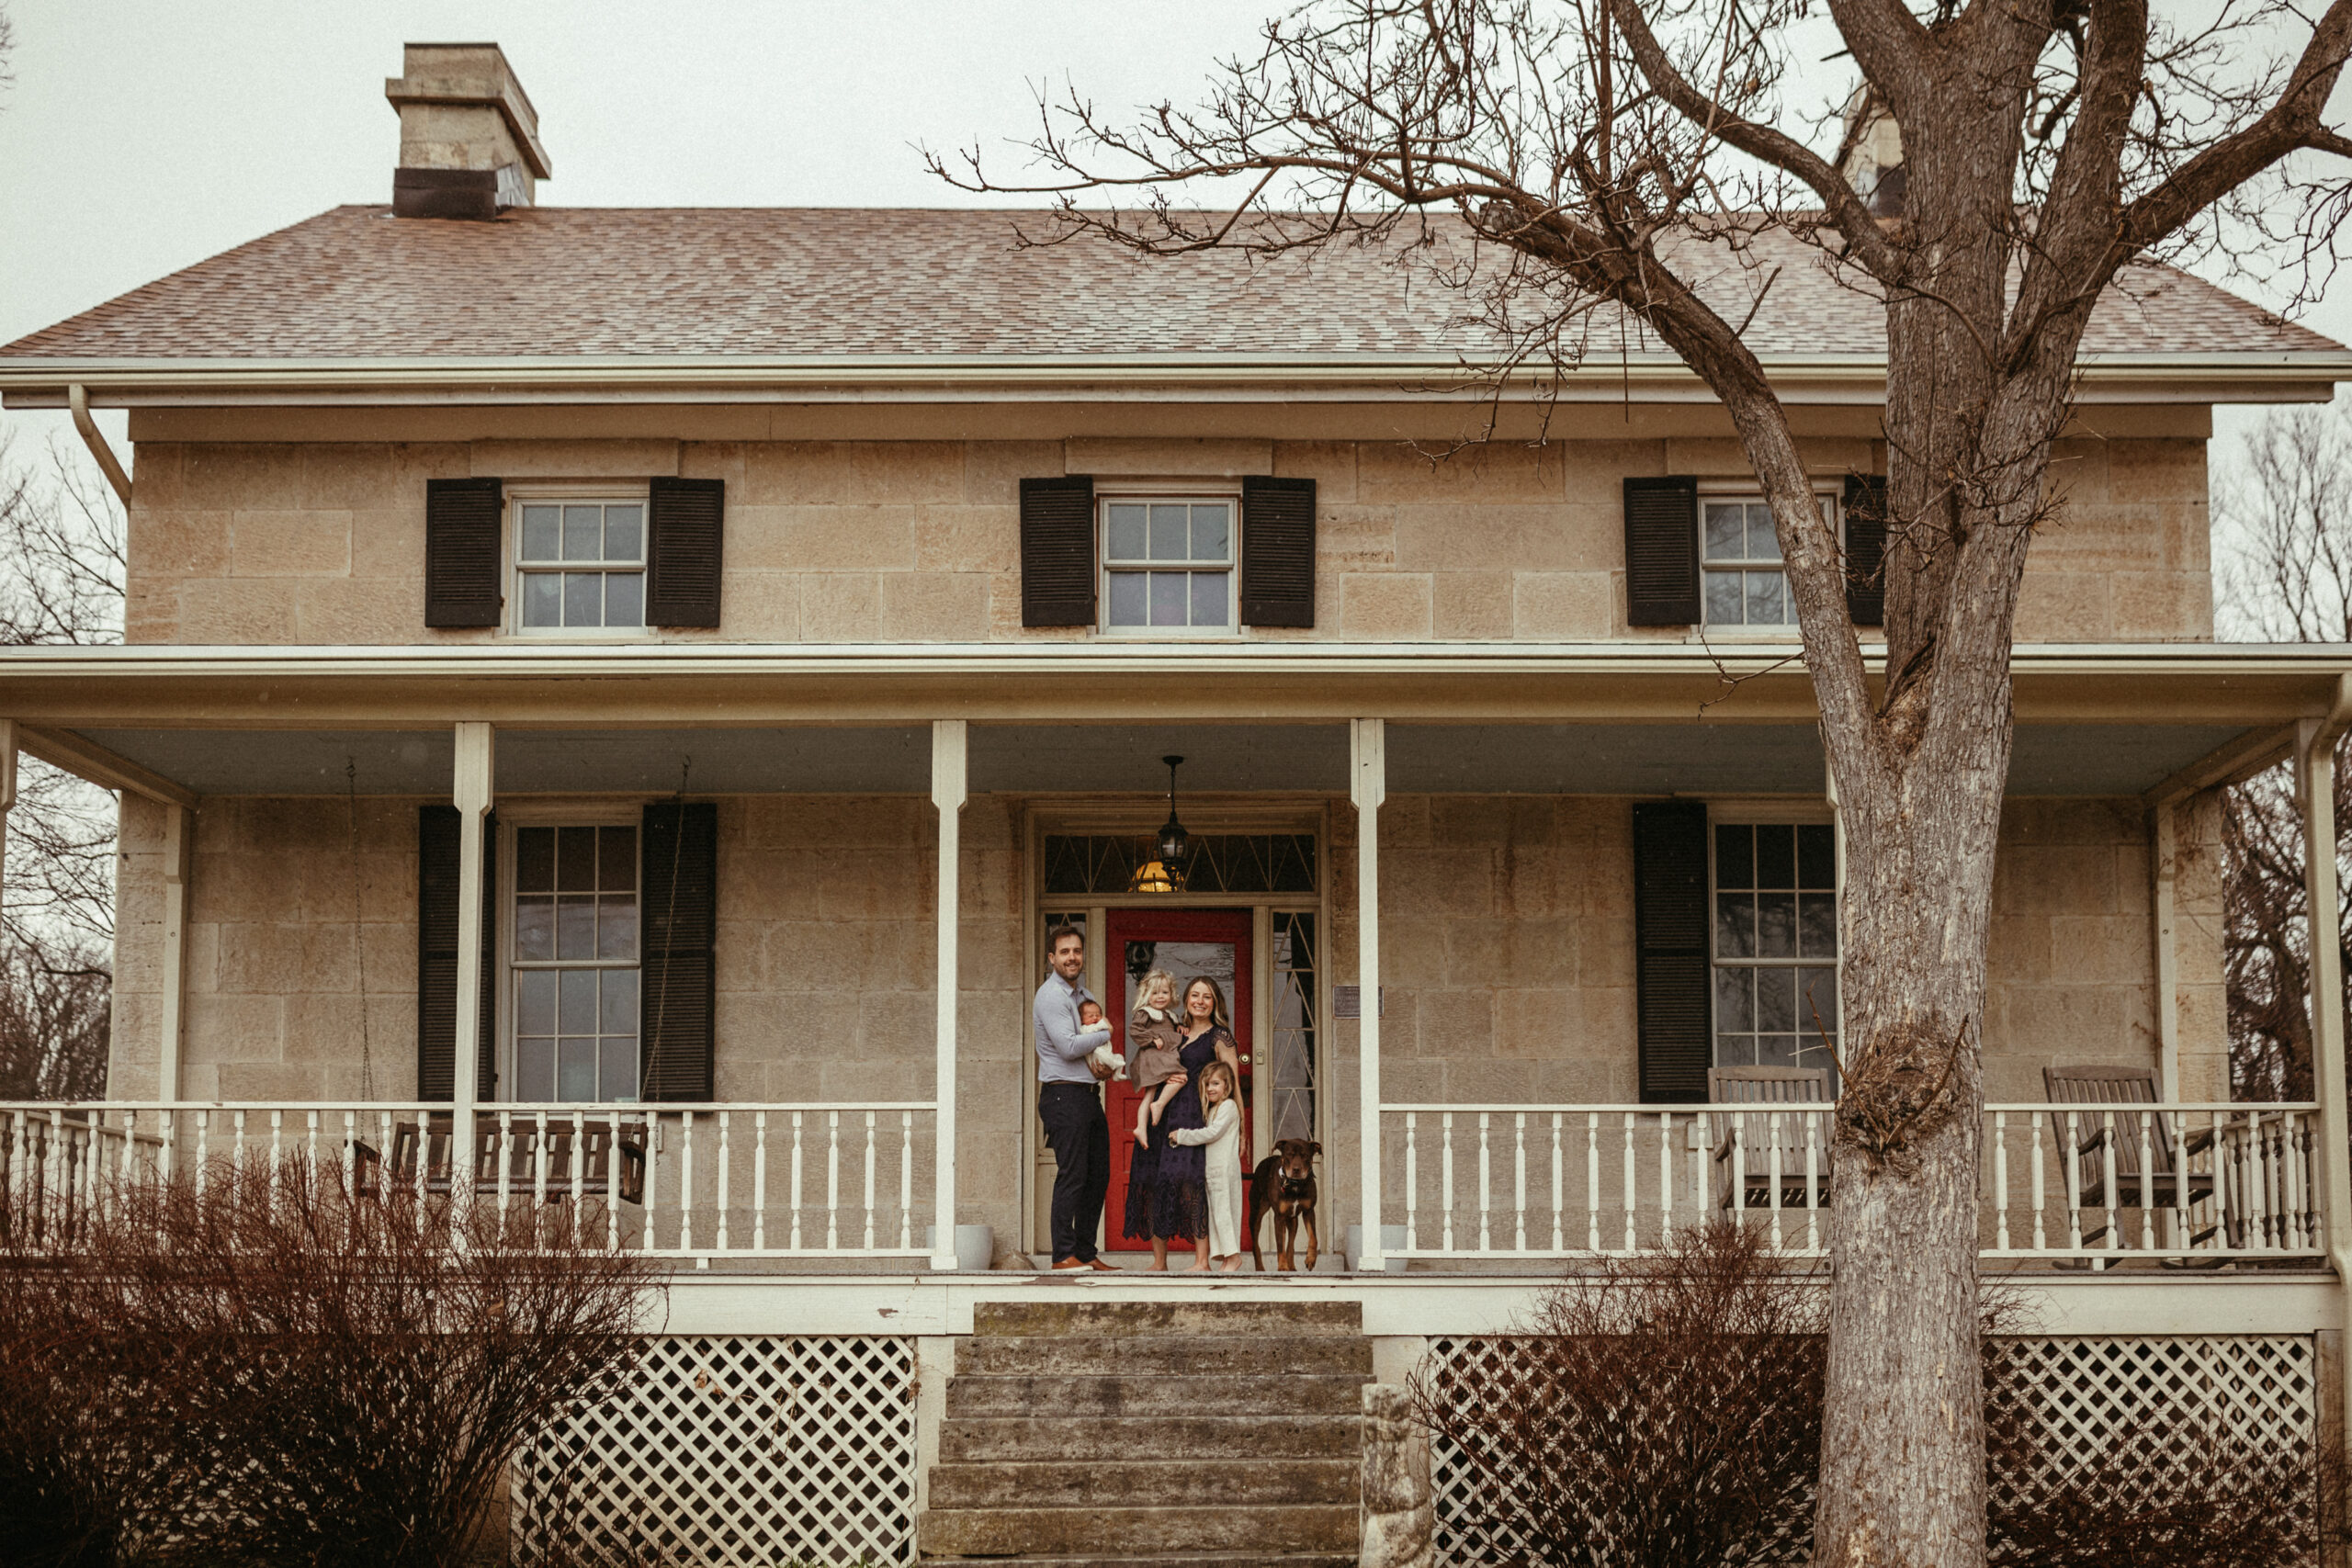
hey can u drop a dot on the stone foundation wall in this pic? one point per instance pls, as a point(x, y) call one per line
point(919, 540)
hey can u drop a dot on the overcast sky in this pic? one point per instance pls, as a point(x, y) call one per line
point(143, 135)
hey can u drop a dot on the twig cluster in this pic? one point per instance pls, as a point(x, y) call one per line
point(255, 1368)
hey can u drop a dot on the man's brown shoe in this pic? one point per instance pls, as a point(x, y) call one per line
point(1105, 1268)
point(1069, 1263)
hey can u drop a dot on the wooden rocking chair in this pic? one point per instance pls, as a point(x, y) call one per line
point(2165, 1184)
point(594, 1149)
point(1769, 1086)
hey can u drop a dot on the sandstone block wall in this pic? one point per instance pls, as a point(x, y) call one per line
point(919, 540)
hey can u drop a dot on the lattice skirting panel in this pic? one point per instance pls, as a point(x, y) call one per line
point(733, 1452)
point(2080, 1399)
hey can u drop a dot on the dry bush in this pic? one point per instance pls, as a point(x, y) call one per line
point(1662, 1413)
point(331, 1380)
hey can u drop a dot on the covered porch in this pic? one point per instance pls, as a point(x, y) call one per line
point(1470, 1049)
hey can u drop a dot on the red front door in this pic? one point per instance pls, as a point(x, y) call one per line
point(1185, 943)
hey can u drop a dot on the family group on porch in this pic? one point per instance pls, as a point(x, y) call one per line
point(1184, 1183)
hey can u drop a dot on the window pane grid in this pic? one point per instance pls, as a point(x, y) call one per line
point(575, 964)
point(580, 563)
point(1742, 582)
point(1776, 945)
point(1169, 562)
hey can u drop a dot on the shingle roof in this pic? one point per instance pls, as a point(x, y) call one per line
point(357, 283)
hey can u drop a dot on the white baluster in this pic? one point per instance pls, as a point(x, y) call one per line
point(834, 1181)
point(1559, 1192)
point(2145, 1120)
point(504, 1154)
point(2074, 1182)
point(652, 1176)
point(2000, 1178)
point(1631, 1193)
point(613, 1169)
point(2034, 1125)
point(1772, 1171)
point(759, 1182)
point(2115, 1183)
point(795, 1181)
point(1445, 1184)
point(163, 1152)
point(870, 1186)
point(1811, 1179)
point(1666, 1178)
point(203, 1149)
point(685, 1180)
point(907, 1180)
point(1519, 1156)
point(1486, 1173)
point(1592, 1180)
point(719, 1239)
point(1738, 1121)
point(1412, 1184)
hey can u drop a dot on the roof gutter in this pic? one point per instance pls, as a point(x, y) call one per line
point(96, 441)
point(29, 382)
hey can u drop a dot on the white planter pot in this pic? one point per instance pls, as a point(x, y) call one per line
point(975, 1245)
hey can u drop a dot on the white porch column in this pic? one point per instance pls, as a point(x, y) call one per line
point(947, 791)
point(471, 792)
point(2164, 821)
point(1368, 786)
point(2315, 781)
point(179, 835)
point(7, 791)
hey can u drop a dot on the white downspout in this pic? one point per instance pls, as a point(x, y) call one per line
point(2315, 782)
point(108, 463)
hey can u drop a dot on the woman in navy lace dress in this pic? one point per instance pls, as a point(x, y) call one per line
point(1168, 1184)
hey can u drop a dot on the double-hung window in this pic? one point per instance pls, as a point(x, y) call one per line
point(1775, 944)
point(575, 964)
point(1742, 577)
point(580, 563)
point(1168, 563)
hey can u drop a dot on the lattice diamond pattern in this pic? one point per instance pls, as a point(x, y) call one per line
point(2237, 1393)
point(732, 1451)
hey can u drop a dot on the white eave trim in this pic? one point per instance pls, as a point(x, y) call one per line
point(594, 661)
point(1240, 378)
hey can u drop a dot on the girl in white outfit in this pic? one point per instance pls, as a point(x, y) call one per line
point(1221, 1141)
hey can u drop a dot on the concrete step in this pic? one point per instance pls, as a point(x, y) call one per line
point(976, 1439)
point(1029, 1319)
point(1163, 1356)
point(1057, 1398)
point(1109, 1483)
point(1173, 1559)
point(1101, 1535)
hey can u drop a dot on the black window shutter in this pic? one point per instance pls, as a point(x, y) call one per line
point(686, 528)
point(1662, 551)
point(1058, 551)
point(679, 992)
point(1277, 552)
point(461, 560)
point(1670, 949)
point(1866, 548)
point(438, 830)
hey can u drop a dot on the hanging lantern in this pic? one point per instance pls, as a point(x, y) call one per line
point(1165, 873)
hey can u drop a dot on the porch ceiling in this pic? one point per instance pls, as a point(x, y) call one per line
point(1474, 759)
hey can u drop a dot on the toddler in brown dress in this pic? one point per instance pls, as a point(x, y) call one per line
point(1153, 1041)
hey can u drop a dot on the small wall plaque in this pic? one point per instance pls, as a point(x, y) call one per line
point(1347, 1002)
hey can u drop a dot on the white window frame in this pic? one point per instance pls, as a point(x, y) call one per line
point(1831, 494)
point(1770, 813)
point(587, 811)
point(541, 494)
point(1173, 492)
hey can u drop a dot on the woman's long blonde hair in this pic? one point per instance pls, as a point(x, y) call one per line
point(1144, 985)
point(1184, 1004)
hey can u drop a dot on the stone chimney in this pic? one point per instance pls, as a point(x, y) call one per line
point(470, 139)
point(1872, 162)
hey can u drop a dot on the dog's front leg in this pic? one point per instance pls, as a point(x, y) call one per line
point(1314, 1241)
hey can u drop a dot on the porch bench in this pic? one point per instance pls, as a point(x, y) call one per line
point(1806, 1088)
point(595, 1149)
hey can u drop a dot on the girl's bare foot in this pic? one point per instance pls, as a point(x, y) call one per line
point(1230, 1266)
point(1159, 1267)
point(1196, 1268)
point(1143, 1139)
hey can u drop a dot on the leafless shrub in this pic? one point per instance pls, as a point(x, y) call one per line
point(55, 1009)
point(338, 1380)
point(1663, 1412)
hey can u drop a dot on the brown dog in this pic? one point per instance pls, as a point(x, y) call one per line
point(1283, 1183)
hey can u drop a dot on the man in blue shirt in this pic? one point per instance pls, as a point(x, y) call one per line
point(1068, 1103)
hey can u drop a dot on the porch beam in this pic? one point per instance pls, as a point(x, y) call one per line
point(1368, 786)
point(947, 794)
point(2315, 781)
point(471, 792)
point(88, 760)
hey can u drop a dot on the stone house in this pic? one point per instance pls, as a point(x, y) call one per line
point(704, 652)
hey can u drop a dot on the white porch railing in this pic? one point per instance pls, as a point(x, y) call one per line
point(2202, 1181)
point(700, 1182)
